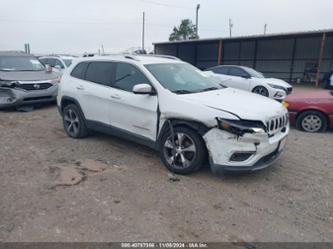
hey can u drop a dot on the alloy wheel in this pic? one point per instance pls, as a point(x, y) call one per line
point(312, 123)
point(261, 91)
point(183, 153)
point(72, 122)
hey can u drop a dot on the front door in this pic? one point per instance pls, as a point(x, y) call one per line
point(134, 113)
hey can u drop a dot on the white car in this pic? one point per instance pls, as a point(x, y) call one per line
point(58, 62)
point(171, 106)
point(248, 79)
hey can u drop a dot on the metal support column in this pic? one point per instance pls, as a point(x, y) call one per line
point(322, 46)
point(220, 55)
point(292, 60)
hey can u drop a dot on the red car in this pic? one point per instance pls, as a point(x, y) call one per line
point(311, 111)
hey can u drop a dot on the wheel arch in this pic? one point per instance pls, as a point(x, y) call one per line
point(196, 126)
point(316, 110)
point(65, 100)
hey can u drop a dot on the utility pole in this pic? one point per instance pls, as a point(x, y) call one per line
point(197, 21)
point(230, 27)
point(265, 28)
point(143, 31)
point(102, 49)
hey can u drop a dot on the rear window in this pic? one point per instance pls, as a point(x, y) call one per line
point(221, 70)
point(79, 70)
point(99, 72)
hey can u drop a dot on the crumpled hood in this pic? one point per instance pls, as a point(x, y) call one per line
point(245, 105)
point(28, 75)
point(274, 81)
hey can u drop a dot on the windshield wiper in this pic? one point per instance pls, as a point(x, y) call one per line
point(209, 89)
point(182, 92)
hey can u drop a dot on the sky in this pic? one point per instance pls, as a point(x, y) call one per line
point(79, 26)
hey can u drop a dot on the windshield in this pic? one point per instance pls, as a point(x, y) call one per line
point(253, 73)
point(20, 63)
point(182, 78)
point(68, 62)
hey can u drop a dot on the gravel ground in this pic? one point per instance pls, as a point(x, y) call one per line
point(133, 199)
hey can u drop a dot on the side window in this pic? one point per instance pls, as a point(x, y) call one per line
point(221, 70)
point(99, 72)
point(234, 71)
point(79, 70)
point(51, 62)
point(127, 76)
point(43, 61)
point(59, 63)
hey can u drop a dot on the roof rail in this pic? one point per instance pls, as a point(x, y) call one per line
point(167, 56)
point(131, 57)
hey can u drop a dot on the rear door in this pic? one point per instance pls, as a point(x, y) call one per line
point(135, 113)
point(94, 91)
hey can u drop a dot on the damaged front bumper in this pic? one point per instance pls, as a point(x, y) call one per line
point(247, 153)
point(12, 97)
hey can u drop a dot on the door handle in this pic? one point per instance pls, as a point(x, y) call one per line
point(116, 96)
point(80, 88)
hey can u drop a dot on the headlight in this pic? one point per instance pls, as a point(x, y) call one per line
point(277, 87)
point(8, 83)
point(56, 81)
point(240, 127)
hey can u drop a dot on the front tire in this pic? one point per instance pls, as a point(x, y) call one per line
point(311, 121)
point(189, 154)
point(261, 90)
point(73, 121)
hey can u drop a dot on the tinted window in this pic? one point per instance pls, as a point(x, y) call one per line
point(127, 76)
point(51, 62)
point(237, 72)
point(99, 72)
point(79, 70)
point(59, 63)
point(44, 61)
point(221, 70)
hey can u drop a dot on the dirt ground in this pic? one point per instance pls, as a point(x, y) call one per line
point(133, 199)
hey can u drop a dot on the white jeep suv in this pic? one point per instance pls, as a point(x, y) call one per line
point(171, 106)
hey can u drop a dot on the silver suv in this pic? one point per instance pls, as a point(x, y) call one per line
point(24, 80)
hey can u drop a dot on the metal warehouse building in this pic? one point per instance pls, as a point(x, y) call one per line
point(294, 57)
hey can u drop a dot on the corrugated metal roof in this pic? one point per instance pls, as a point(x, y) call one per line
point(313, 32)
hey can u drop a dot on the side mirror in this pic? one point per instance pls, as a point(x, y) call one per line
point(143, 89)
point(48, 68)
point(246, 76)
point(57, 67)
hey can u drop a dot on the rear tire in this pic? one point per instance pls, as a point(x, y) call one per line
point(74, 122)
point(190, 153)
point(312, 121)
point(261, 90)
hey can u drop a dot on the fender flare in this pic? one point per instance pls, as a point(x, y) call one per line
point(194, 125)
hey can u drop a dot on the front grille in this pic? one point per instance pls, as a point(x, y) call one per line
point(38, 98)
point(34, 86)
point(277, 123)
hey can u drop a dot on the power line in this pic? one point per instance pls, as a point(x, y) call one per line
point(169, 26)
point(166, 5)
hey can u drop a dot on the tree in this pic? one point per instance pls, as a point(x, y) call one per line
point(185, 31)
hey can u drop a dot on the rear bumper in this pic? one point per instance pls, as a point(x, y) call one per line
point(10, 97)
